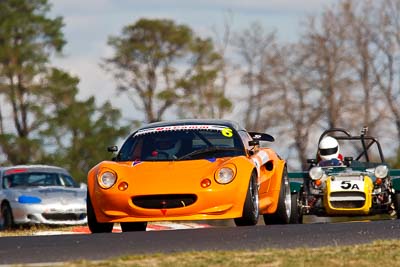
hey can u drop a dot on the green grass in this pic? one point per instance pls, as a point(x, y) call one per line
point(379, 253)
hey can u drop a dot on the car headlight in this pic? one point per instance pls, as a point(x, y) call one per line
point(225, 175)
point(381, 171)
point(107, 179)
point(316, 173)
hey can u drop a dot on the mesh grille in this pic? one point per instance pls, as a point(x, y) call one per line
point(164, 201)
point(349, 200)
point(64, 216)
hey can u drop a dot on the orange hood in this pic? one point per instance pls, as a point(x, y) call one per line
point(167, 177)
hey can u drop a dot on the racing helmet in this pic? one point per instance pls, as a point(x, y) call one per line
point(168, 145)
point(328, 148)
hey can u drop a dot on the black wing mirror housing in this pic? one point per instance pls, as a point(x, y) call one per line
point(348, 160)
point(312, 162)
point(112, 148)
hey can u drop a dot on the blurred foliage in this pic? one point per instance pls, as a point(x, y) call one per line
point(27, 38)
point(162, 65)
point(78, 130)
point(395, 161)
point(48, 124)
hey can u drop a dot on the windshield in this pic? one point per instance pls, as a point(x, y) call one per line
point(32, 179)
point(182, 142)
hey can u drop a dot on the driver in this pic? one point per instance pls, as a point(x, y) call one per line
point(329, 152)
point(167, 147)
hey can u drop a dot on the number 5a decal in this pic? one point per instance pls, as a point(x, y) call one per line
point(347, 185)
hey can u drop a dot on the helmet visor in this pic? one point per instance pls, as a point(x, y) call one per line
point(328, 151)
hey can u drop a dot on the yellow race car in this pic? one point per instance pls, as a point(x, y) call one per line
point(189, 170)
point(361, 184)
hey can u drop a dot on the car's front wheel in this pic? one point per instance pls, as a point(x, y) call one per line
point(133, 226)
point(251, 205)
point(7, 219)
point(296, 215)
point(94, 226)
point(283, 212)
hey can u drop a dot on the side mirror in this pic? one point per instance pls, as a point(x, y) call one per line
point(311, 161)
point(348, 160)
point(251, 152)
point(112, 149)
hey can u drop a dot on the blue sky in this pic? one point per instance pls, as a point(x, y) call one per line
point(89, 23)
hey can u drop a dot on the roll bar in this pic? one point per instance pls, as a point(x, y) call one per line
point(366, 140)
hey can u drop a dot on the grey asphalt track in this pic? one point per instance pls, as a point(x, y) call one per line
point(60, 248)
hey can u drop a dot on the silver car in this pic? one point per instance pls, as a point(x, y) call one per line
point(40, 194)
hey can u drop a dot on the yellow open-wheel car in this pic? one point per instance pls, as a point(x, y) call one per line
point(362, 184)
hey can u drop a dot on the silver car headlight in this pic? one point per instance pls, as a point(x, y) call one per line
point(225, 175)
point(316, 173)
point(381, 171)
point(107, 179)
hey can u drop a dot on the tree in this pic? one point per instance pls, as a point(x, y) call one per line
point(300, 100)
point(257, 49)
point(153, 62)
point(329, 66)
point(360, 21)
point(27, 38)
point(78, 132)
point(49, 125)
point(203, 91)
point(387, 68)
point(352, 48)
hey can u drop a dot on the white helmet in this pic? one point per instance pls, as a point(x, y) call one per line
point(328, 148)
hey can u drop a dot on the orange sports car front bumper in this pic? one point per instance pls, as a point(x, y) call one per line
point(158, 184)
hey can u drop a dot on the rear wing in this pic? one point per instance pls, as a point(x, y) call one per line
point(261, 137)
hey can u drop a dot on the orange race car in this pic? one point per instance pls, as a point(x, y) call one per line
point(189, 170)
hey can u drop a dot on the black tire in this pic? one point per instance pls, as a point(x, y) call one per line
point(251, 207)
point(296, 215)
point(396, 200)
point(283, 212)
point(8, 219)
point(133, 226)
point(94, 226)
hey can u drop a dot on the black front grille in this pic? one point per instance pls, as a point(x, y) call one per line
point(347, 200)
point(164, 201)
point(64, 216)
point(355, 204)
